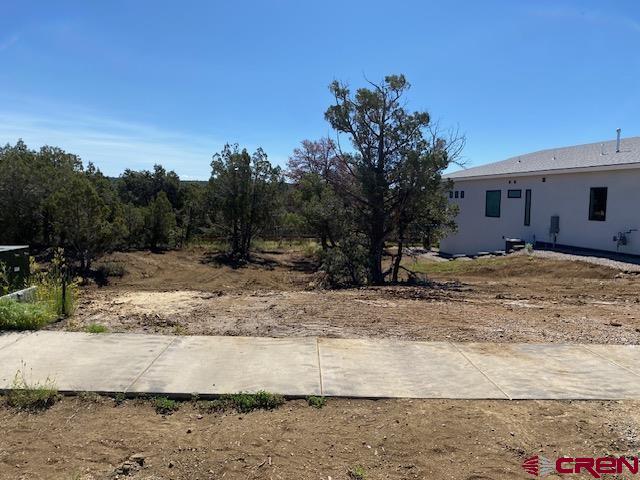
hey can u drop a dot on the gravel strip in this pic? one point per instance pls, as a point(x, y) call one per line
point(605, 262)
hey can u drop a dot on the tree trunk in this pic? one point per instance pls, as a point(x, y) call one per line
point(398, 259)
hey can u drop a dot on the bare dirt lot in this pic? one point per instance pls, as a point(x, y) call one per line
point(401, 439)
point(518, 298)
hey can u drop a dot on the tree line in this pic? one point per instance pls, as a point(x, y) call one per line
point(376, 183)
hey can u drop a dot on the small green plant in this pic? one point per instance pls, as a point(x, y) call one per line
point(165, 406)
point(316, 402)
point(31, 396)
point(357, 473)
point(528, 247)
point(119, 398)
point(96, 328)
point(91, 397)
point(242, 402)
point(24, 316)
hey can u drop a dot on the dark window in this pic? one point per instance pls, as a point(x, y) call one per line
point(461, 193)
point(492, 203)
point(544, 179)
point(451, 194)
point(598, 204)
point(514, 193)
point(456, 194)
point(527, 207)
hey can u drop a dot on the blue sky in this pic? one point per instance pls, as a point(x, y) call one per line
point(133, 83)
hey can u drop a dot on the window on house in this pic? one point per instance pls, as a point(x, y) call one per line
point(598, 204)
point(527, 207)
point(451, 194)
point(492, 203)
point(514, 193)
point(456, 194)
point(461, 193)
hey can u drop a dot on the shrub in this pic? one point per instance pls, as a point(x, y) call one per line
point(346, 264)
point(528, 247)
point(109, 269)
point(96, 328)
point(32, 397)
point(316, 402)
point(243, 402)
point(165, 406)
point(24, 316)
point(49, 286)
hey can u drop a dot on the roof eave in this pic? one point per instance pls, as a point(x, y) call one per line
point(556, 171)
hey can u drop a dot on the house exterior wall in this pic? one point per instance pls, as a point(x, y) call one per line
point(566, 195)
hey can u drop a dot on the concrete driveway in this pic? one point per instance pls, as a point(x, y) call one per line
point(183, 365)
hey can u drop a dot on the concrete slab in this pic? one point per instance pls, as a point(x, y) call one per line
point(379, 368)
point(548, 371)
point(9, 338)
point(215, 365)
point(81, 361)
point(627, 356)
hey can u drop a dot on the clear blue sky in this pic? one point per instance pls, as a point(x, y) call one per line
point(131, 83)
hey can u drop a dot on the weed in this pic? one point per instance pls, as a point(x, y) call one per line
point(91, 397)
point(245, 402)
point(242, 402)
point(316, 402)
point(54, 287)
point(24, 316)
point(356, 473)
point(528, 248)
point(96, 328)
point(119, 398)
point(179, 330)
point(165, 406)
point(31, 396)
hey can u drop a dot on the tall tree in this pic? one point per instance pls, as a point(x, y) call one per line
point(81, 221)
point(161, 222)
point(391, 165)
point(246, 191)
point(316, 202)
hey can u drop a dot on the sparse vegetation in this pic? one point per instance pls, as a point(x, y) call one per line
point(243, 402)
point(24, 316)
point(96, 328)
point(31, 396)
point(165, 406)
point(357, 473)
point(316, 402)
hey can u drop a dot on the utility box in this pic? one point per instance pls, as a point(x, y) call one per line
point(14, 262)
point(554, 228)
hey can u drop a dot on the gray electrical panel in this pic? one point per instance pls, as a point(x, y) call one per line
point(554, 228)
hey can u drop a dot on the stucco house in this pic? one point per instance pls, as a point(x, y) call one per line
point(585, 196)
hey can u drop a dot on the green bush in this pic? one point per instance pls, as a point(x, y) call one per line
point(316, 402)
point(346, 264)
point(96, 328)
point(243, 402)
point(24, 316)
point(32, 397)
point(165, 406)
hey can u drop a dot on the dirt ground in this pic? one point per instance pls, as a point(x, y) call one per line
point(512, 299)
point(390, 439)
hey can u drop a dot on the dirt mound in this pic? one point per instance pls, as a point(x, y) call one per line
point(195, 269)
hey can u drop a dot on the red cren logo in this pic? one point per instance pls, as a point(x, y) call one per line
point(538, 466)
